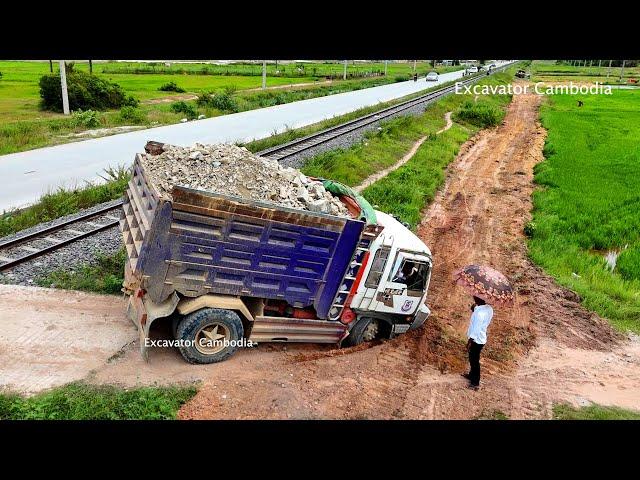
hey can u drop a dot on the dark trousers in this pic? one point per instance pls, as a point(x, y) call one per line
point(474, 362)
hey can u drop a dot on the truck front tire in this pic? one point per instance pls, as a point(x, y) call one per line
point(365, 330)
point(209, 335)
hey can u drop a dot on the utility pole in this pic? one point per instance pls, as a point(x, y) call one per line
point(264, 74)
point(609, 70)
point(414, 66)
point(90, 66)
point(385, 67)
point(344, 73)
point(63, 82)
point(50, 66)
point(622, 70)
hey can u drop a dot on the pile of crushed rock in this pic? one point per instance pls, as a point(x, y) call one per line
point(232, 170)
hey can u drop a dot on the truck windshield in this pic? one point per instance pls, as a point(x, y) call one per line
point(413, 274)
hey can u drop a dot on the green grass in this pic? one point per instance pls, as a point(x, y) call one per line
point(405, 191)
point(589, 202)
point(312, 70)
point(380, 149)
point(79, 401)
point(64, 202)
point(593, 412)
point(104, 276)
point(550, 71)
point(292, 134)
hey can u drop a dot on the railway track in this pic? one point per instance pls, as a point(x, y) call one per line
point(28, 247)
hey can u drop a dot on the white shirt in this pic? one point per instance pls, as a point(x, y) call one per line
point(480, 320)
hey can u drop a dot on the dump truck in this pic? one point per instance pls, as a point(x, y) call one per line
point(229, 272)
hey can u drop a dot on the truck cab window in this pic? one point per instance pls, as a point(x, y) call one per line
point(413, 274)
point(377, 267)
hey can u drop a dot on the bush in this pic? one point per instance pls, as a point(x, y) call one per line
point(133, 115)
point(480, 114)
point(186, 108)
point(85, 91)
point(204, 99)
point(171, 87)
point(87, 119)
point(224, 102)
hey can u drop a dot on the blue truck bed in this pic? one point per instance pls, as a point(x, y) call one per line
point(200, 242)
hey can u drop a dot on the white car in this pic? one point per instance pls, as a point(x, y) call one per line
point(432, 77)
point(472, 69)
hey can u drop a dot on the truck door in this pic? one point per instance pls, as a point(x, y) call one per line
point(402, 290)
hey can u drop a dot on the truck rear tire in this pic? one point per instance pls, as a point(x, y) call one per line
point(365, 330)
point(210, 335)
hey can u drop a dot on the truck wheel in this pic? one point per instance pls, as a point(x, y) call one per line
point(210, 335)
point(365, 330)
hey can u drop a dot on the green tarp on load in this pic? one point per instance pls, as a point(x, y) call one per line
point(367, 213)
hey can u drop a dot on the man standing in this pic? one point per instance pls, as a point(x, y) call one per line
point(477, 335)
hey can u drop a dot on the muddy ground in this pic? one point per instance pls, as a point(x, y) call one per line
point(545, 349)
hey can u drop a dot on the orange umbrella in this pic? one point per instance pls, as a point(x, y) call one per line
point(486, 283)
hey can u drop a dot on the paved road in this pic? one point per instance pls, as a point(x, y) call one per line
point(27, 175)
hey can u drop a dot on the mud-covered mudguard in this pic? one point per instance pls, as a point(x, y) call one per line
point(142, 312)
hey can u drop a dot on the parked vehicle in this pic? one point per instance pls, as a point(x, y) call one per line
point(432, 77)
point(226, 270)
point(472, 69)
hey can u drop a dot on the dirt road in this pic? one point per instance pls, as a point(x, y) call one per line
point(52, 337)
point(545, 349)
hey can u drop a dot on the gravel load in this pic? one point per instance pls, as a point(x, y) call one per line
point(232, 170)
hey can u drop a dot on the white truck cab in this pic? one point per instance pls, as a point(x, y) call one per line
point(395, 280)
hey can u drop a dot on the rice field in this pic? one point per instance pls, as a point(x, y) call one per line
point(588, 206)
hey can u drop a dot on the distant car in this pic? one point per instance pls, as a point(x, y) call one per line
point(432, 77)
point(472, 69)
point(492, 66)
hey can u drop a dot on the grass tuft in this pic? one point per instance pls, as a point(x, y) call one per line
point(79, 401)
point(104, 276)
point(593, 412)
point(65, 202)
